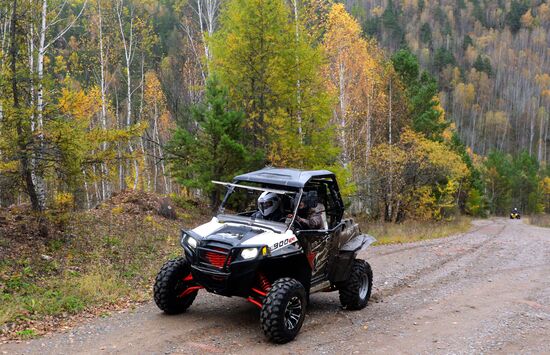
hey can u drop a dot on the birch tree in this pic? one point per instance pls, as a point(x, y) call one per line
point(128, 43)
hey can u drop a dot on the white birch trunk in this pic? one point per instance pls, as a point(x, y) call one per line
point(368, 144)
point(146, 171)
point(187, 29)
point(119, 148)
point(128, 56)
point(546, 139)
point(86, 188)
point(541, 142)
point(531, 133)
point(155, 138)
point(473, 135)
point(37, 178)
point(102, 64)
point(40, 68)
point(298, 83)
point(343, 109)
point(42, 48)
point(207, 11)
point(201, 26)
point(390, 182)
point(3, 40)
point(155, 168)
point(31, 73)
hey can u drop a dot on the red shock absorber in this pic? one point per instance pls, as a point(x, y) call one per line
point(264, 282)
point(265, 285)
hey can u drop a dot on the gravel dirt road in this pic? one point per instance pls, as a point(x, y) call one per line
point(486, 291)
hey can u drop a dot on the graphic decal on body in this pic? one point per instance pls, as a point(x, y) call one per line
point(283, 243)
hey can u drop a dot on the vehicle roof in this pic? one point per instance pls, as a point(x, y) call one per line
point(283, 177)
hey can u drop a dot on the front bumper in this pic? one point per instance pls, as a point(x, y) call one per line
point(219, 269)
point(237, 281)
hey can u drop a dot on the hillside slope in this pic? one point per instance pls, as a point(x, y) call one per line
point(90, 264)
point(492, 59)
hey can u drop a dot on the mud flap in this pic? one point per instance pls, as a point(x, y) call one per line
point(341, 268)
point(361, 242)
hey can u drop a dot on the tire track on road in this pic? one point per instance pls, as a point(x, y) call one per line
point(404, 282)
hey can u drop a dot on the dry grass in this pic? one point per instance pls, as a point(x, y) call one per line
point(412, 231)
point(541, 220)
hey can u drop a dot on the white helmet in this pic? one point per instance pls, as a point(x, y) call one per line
point(268, 202)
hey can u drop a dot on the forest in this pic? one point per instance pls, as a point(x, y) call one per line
point(421, 119)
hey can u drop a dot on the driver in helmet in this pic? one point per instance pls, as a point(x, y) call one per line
point(269, 207)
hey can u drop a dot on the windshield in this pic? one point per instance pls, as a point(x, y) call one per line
point(257, 205)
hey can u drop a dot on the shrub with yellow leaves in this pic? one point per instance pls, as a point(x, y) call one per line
point(417, 178)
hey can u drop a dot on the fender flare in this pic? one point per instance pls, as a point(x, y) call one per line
point(358, 243)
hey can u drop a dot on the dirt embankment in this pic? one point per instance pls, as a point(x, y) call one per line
point(89, 263)
point(485, 291)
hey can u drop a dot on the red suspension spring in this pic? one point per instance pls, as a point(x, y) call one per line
point(264, 282)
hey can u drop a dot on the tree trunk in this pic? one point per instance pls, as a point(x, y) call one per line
point(24, 160)
point(390, 182)
point(531, 133)
point(298, 83)
point(343, 108)
point(104, 168)
point(541, 130)
point(39, 151)
point(128, 55)
point(546, 140)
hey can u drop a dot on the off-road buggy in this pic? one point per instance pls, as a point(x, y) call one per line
point(515, 215)
point(275, 265)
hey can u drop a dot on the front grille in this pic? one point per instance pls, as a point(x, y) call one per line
point(216, 255)
point(218, 259)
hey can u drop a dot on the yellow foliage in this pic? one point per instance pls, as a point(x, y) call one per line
point(424, 176)
point(153, 93)
point(543, 12)
point(356, 77)
point(545, 185)
point(377, 11)
point(545, 191)
point(527, 19)
point(80, 105)
point(435, 154)
point(117, 210)
point(448, 132)
point(424, 203)
point(497, 121)
point(60, 64)
point(63, 201)
point(9, 167)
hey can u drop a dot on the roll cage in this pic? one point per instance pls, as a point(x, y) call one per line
point(298, 183)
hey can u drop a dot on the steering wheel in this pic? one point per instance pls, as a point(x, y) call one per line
point(297, 223)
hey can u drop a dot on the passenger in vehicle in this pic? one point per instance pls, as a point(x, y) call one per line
point(311, 217)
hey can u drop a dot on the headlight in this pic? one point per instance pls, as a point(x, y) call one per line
point(192, 242)
point(249, 253)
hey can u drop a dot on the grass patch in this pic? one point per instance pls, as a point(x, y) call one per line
point(541, 220)
point(27, 334)
point(23, 299)
point(413, 231)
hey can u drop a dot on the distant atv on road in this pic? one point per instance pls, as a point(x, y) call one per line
point(274, 264)
point(515, 214)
